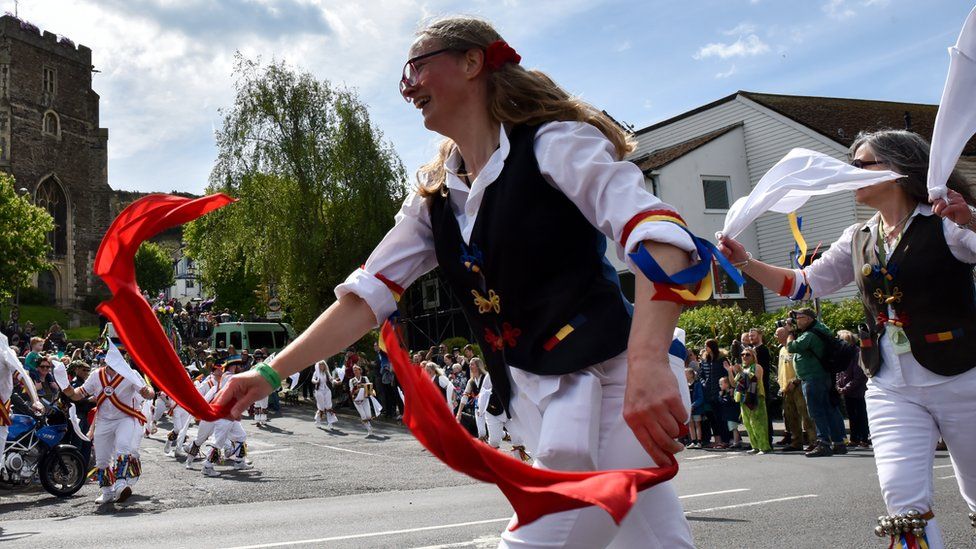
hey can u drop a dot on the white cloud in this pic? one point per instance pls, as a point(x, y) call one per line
point(877, 3)
point(740, 29)
point(743, 47)
point(727, 73)
point(838, 9)
point(623, 46)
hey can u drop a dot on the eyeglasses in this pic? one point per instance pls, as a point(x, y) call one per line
point(411, 72)
point(861, 164)
point(746, 354)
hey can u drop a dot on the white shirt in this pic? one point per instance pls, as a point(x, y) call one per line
point(574, 157)
point(835, 269)
point(126, 392)
point(7, 374)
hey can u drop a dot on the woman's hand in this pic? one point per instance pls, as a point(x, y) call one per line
point(954, 208)
point(653, 408)
point(732, 250)
point(241, 391)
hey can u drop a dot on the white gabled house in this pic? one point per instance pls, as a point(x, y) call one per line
point(703, 160)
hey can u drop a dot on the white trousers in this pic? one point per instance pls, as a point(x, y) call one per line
point(495, 426)
point(575, 422)
point(323, 401)
point(906, 423)
point(204, 431)
point(3, 445)
point(115, 437)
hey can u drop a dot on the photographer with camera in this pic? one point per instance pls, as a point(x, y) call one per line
point(817, 383)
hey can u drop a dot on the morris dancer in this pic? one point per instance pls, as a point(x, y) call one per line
point(323, 382)
point(516, 210)
point(440, 381)
point(363, 398)
point(119, 429)
point(228, 434)
point(913, 264)
point(9, 367)
point(207, 387)
point(471, 399)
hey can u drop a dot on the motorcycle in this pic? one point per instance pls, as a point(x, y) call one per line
point(44, 446)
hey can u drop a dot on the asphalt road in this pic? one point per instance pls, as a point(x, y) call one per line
point(313, 488)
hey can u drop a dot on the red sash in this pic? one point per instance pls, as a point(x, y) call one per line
point(114, 398)
point(5, 420)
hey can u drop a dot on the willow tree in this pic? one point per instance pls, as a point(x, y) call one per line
point(317, 187)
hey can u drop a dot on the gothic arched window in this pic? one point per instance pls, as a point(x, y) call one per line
point(50, 195)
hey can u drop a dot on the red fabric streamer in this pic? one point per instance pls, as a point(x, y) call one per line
point(134, 320)
point(665, 292)
point(498, 53)
point(532, 492)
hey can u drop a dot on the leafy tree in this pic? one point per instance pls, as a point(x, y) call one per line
point(23, 238)
point(154, 268)
point(316, 186)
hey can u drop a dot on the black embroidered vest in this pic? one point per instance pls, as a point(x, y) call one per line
point(931, 291)
point(533, 283)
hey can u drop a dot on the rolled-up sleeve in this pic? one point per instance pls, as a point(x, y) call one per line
point(830, 272)
point(580, 161)
point(404, 254)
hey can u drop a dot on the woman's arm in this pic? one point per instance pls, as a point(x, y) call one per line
point(653, 407)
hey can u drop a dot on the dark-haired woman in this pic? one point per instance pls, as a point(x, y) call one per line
point(913, 264)
point(713, 369)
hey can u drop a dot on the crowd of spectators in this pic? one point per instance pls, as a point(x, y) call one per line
point(734, 388)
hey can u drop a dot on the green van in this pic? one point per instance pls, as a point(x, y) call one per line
point(272, 336)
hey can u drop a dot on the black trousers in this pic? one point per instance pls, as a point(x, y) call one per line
point(714, 423)
point(390, 399)
point(857, 415)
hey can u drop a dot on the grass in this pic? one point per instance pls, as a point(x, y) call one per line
point(43, 316)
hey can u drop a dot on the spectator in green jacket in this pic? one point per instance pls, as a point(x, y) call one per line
point(808, 350)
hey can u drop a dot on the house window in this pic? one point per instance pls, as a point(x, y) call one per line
point(717, 193)
point(51, 124)
point(723, 287)
point(49, 87)
point(189, 283)
point(810, 257)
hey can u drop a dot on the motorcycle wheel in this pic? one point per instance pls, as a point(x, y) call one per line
point(62, 472)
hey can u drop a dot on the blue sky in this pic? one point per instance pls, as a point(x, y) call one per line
point(166, 64)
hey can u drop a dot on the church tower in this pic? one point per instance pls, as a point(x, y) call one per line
point(50, 141)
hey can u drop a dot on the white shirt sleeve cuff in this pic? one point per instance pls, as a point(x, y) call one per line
point(372, 290)
point(658, 231)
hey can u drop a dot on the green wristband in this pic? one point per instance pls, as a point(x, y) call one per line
point(269, 374)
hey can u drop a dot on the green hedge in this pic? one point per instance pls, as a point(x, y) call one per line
point(725, 323)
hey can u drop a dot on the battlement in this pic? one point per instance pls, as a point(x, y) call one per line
point(25, 31)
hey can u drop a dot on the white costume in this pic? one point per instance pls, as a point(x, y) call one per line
point(908, 406)
point(473, 390)
point(444, 384)
point(226, 432)
point(587, 405)
point(206, 428)
point(118, 429)
point(322, 381)
point(366, 404)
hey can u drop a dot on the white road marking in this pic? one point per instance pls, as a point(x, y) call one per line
point(344, 449)
point(709, 456)
point(488, 541)
point(373, 534)
point(269, 451)
point(750, 504)
point(942, 466)
point(714, 493)
point(950, 476)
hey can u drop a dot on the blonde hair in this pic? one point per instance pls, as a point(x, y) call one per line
point(515, 96)
point(848, 336)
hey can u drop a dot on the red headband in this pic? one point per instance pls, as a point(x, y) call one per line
point(498, 53)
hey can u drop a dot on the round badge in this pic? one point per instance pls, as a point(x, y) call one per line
point(109, 390)
point(866, 270)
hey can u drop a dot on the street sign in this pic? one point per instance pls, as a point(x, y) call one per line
point(274, 315)
point(274, 304)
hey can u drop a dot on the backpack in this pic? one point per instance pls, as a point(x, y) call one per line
point(838, 354)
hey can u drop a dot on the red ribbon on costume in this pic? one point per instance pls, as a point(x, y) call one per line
point(134, 320)
point(498, 53)
point(900, 321)
point(532, 492)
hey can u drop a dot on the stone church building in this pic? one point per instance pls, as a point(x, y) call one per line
point(51, 142)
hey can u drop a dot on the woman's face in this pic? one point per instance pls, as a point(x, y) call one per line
point(869, 196)
point(442, 85)
point(748, 358)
